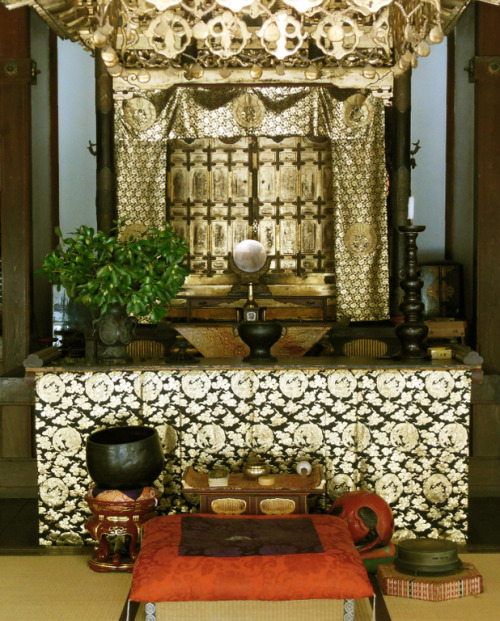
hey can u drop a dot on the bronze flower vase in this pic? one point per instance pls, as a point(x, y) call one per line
point(114, 331)
point(260, 336)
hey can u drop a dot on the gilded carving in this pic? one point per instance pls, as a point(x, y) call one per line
point(169, 34)
point(338, 34)
point(281, 35)
point(226, 35)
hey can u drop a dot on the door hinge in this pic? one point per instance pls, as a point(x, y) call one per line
point(18, 69)
point(483, 66)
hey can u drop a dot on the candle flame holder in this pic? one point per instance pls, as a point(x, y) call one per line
point(413, 331)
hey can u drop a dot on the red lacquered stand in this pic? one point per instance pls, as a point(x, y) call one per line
point(111, 524)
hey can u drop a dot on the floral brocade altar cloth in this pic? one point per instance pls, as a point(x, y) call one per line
point(402, 433)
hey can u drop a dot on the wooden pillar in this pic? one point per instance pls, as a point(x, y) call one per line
point(17, 465)
point(106, 182)
point(15, 183)
point(485, 72)
point(400, 181)
point(487, 79)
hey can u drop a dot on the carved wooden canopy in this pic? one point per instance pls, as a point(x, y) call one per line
point(151, 44)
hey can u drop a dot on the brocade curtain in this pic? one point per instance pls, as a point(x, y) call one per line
point(353, 122)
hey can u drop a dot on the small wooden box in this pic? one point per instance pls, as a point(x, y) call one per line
point(442, 290)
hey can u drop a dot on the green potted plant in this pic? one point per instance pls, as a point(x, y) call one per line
point(115, 276)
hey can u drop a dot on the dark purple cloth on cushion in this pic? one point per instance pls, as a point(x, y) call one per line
point(205, 536)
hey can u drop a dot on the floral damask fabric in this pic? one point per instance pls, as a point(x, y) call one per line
point(400, 433)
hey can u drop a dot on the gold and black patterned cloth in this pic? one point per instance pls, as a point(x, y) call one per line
point(354, 123)
point(400, 433)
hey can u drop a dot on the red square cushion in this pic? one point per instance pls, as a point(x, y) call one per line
point(161, 575)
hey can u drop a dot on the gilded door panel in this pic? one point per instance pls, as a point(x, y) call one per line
point(288, 182)
point(198, 184)
point(288, 237)
point(221, 192)
point(308, 240)
point(267, 183)
point(219, 183)
point(178, 188)
point(240, 183)
point(219, 238)
point(240, 232)
point(308, 185)
point(266, 235)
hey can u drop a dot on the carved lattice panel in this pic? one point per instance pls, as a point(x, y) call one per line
point(275, 190)
point(208, 189)
point(295, 212)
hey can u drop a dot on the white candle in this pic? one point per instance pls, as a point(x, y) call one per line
point(411, 207)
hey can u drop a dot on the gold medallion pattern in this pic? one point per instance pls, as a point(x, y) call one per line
point(386, 431)
point(358, 111)
point(361, 238)
point(248, 110)
point(139, 113)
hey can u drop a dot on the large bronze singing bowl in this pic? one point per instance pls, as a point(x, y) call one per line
point(124, 457)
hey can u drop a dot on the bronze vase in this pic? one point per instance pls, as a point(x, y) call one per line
point(114, 331)
point(260, 336)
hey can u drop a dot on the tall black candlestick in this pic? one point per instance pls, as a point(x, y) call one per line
point(413, 331)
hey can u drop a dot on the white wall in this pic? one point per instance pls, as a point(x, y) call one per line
point(77, 166)
point(428, 124)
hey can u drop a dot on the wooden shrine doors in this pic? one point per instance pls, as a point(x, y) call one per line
point(278, 191)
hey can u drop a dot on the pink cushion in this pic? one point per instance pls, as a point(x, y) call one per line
point(115, 495)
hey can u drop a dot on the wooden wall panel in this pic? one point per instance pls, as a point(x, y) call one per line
point(16, 428)
point(15, 183)
point(17, 466)
point(485, 463)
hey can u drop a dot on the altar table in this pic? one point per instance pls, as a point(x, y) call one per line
point(398, 429)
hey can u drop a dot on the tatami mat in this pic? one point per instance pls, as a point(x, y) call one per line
point(63, 588)
point(310, 610)
point(59, 588)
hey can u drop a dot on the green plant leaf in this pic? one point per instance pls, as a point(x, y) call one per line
point(143, 274)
